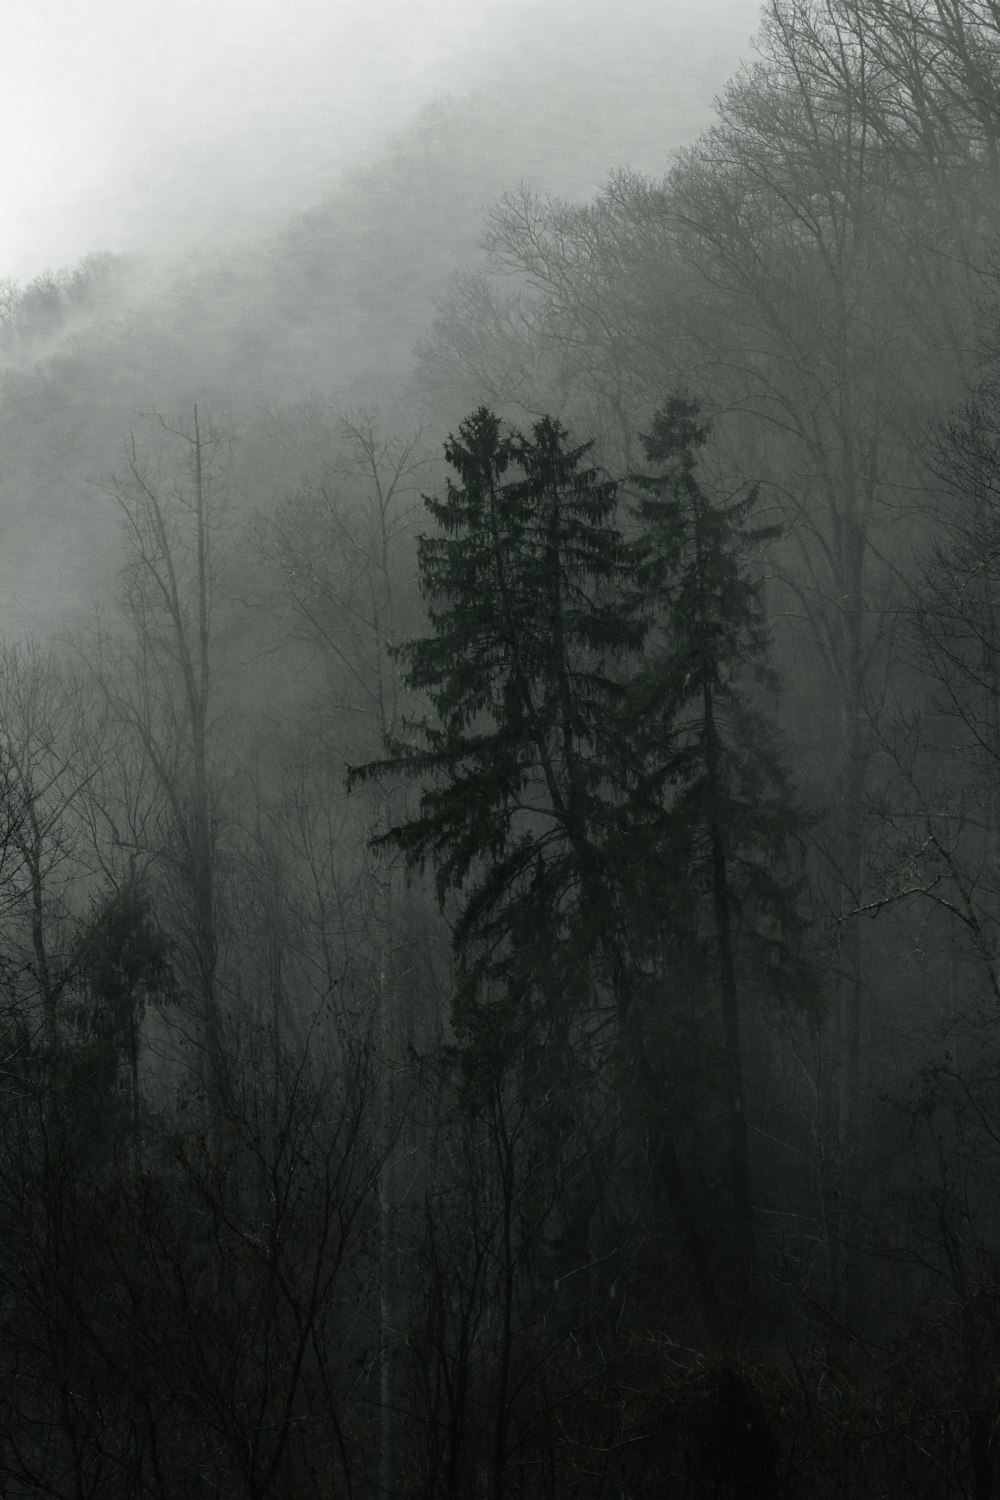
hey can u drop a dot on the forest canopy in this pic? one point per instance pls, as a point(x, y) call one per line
point(499, 904)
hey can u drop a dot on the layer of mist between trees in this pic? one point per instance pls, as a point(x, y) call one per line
point(499, 890)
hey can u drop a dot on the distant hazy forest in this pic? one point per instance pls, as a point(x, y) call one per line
point(500, 817)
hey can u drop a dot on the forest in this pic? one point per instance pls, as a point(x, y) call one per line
point(500, 820)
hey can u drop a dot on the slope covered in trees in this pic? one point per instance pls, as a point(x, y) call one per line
point(323, 305)
point(498, 902)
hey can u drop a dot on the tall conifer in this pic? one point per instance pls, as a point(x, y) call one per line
point(599, 793)
point(524, 670)
point(712, 805)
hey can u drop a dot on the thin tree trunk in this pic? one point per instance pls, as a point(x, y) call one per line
point(202, 854)
point(502, 1417)
point(722, 912)
point(386, 1193)
point(133, 1050)
point(735, 1094)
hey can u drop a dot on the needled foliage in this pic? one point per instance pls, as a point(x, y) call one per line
point(519, 762)
point(710, 783)
point(594, 741)
point(123, 961)
point(599, 796)
point(594, 727)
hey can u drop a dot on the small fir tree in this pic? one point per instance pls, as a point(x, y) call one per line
point(123, 962)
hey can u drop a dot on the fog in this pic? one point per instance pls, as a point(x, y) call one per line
point(291, 189)
point(141, 126)
point(499, 751)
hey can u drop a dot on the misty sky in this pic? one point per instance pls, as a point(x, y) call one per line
point(139, 123)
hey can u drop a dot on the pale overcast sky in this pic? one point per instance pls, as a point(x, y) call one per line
point(129, 122)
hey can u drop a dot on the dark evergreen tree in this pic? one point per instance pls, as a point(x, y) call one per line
point(711, 805)
point(123, 962)
point(599, 793)
point(525, 670)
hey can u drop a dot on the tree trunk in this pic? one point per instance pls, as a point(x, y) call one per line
point(386, 1185)
point(722, 913)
